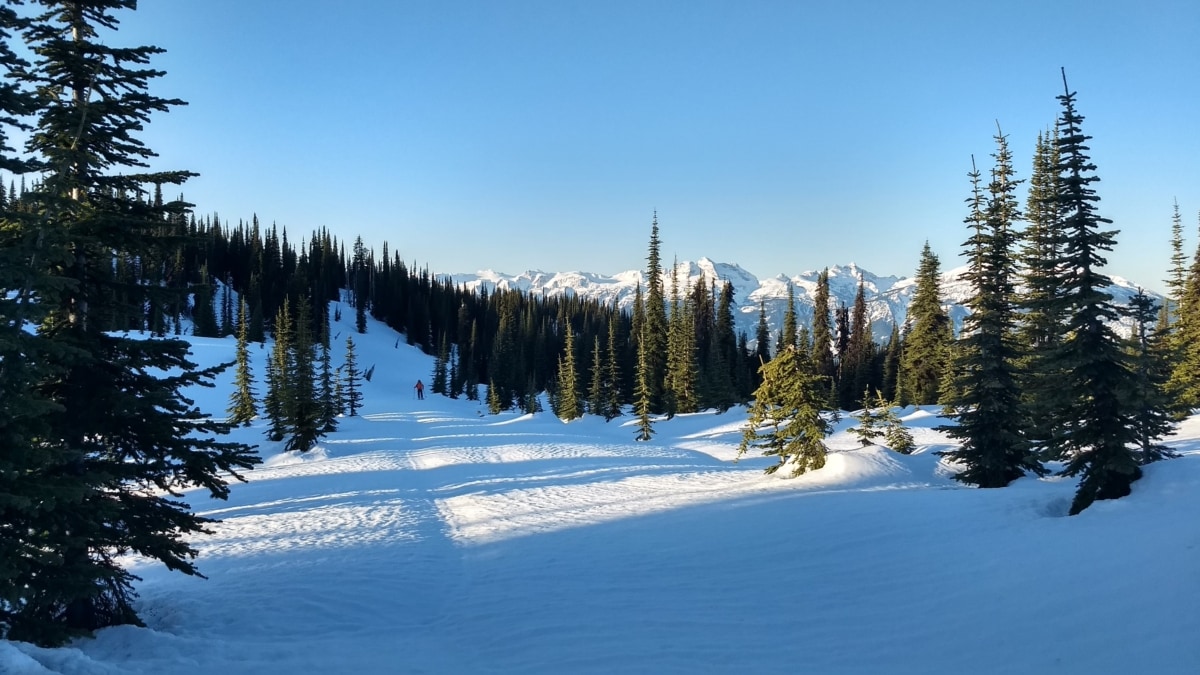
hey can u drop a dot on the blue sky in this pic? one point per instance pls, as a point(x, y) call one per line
point(783, 136)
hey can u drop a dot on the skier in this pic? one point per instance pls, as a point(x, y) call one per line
point(420, 387)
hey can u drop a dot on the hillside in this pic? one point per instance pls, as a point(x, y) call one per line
point(429, 537)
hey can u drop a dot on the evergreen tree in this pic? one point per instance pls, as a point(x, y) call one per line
point(929, 336)
point(788, 336)
point(869, 422)
point(439, 383)
point(1149, 399)
point(242, 406)
point(279, 403)
point(570, 403)
point(655, 321)
point(895, 434)
point(117, 420)
point(891, 364)
point(352, 378)
point(1184, 383)
point(1041, 328)
point(612, 402)
point(306, 410)
point(495, 406)
point(1097, 443)
point(785, 419)
point(596, 390)
point(990, 418)
point(1177, 281)
point(762, 335)
point(642, 392)
point(822, 332)
point(329, 394)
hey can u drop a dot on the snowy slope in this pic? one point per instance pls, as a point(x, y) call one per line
point(887, 297)
point(428, 537)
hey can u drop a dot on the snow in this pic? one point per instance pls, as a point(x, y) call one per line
point(430, 537)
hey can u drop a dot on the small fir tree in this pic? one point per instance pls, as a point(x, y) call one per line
point(242, 406)
point(785, 419)
point(352, 389)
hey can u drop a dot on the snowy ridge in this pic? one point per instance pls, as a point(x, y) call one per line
point(887, 297)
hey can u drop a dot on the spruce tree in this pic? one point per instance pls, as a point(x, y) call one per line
point(895, 434)
point(785, 419)
point(121, 423)
point(596, 389)
point(570, 402)
point(822, 332)
point(994, 449)
point(1096, 432)
point(642, 393)
point(655, 321)
point(307, 425)
point(1184, 383)
point(242, 406)
point(1149, 399)
point(891, 364)
point(352, 379)
point(788, 335)
point(929, 336)
point(762, 335)
point(279, 403)
point(1042, 318)
point(330, 406)
point(439, 382)
point(612, 401)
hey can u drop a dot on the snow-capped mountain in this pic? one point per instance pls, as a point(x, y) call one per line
point(887, 297)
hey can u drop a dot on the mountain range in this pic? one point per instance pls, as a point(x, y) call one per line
point(887, 297)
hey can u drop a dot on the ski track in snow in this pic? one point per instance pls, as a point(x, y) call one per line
point(429, 537)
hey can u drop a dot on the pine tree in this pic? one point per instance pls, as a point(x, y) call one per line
point(929, 336)
point(987, 406)
point(120, 420)
point(1097, 443)
point(785, 419)
point(352, 378)
point(242, 406)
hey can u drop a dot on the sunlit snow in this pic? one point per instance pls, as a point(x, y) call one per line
point(430, 537)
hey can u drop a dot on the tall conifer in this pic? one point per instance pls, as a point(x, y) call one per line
point(1096, 444)
point(994, 449)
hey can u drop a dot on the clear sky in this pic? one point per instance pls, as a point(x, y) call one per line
point(783, 136)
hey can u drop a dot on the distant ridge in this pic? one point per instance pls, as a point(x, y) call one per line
point(887, 297)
